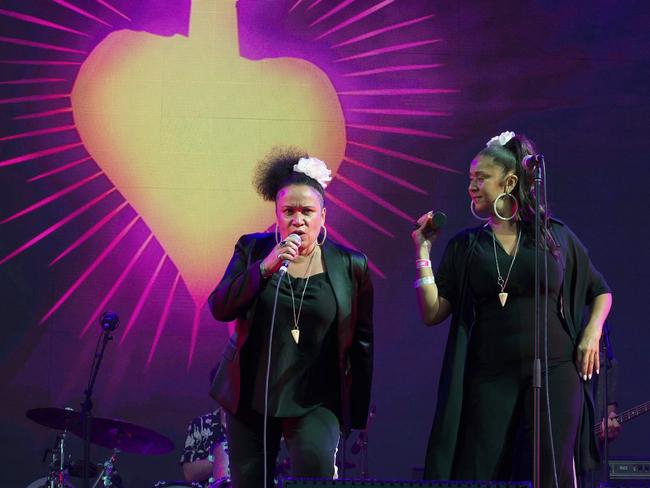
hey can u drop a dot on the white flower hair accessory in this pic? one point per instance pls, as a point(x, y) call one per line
point(314, 168)
point(502, 139)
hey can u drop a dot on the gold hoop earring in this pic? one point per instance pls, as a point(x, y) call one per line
point(514, 212)
point(324, 237)
point(277, 234)
point(471, 209)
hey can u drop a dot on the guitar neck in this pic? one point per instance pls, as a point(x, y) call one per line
point(628, 414)
point(633, 412)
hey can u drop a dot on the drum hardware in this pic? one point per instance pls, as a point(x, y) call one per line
point(109, 473)
point(58, 472)
point(113, 434)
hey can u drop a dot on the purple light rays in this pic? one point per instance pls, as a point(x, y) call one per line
point(116, 284)
point(358, 215)
point(142, 299)
point(382, 30)
point(78, 211)
point(33, 98)
point(399, 130)
point(39, 132)
point(391, 69)
point(388, 49)
point(59, 169)
point(87, 272)
point(354, 18)
point(165, 313)
point(46, 113)
point(41, 45)
point(113, 9)
point(384, 174)
point(42, 22)
point(331, 12)
point(89, 233)
point(28, 81)
point(51, 198)
point(81, 11)
point(374, 197)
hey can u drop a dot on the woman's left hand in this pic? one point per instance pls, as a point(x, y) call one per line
point(588, 352)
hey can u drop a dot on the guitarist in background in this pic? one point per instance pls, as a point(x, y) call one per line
point(609, 366)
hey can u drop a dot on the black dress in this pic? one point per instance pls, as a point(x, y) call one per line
point(496, 421)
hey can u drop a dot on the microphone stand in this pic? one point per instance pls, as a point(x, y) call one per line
point(87, 405)
point(609, 356)
point(537, 369)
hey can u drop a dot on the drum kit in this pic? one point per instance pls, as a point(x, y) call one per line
point(118, 435)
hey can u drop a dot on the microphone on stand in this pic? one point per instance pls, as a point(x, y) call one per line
point(533, 160)
point(109, 321)
point(285, 264)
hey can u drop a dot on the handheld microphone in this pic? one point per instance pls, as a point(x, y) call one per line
point(285, 264)
point(438, 220)
point(109, 321)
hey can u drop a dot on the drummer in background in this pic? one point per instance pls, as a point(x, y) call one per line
point(205, 456)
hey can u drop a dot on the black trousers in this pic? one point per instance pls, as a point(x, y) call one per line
point(495, 441)
point(311, 441)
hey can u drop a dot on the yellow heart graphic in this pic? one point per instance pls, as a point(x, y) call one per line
point(177, 124)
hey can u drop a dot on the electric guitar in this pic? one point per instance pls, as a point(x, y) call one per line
point(625, 416)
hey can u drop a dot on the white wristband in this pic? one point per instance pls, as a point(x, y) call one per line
point(427, 280)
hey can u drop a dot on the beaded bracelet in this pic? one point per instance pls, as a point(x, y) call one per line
point(427, 280)
point(422, 263)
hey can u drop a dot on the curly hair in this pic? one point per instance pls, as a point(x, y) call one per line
point(275, 172)
point(511, 157)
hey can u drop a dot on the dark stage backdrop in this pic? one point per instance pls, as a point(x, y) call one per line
point(128, 133)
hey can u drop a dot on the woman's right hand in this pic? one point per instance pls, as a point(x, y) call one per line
point(424, 235)
point(283, 251)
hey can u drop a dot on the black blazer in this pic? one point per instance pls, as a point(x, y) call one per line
point(235, 298)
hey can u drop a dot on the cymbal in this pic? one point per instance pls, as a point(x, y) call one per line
point(55, 418)
point(127, 437)
point(109, 433)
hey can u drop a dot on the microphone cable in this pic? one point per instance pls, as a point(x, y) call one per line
point(266, 381)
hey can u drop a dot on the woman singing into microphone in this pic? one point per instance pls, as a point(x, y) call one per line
point(321, 349)
point(483, 424)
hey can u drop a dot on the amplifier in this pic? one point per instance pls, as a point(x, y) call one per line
point(629, 469)
point(327, 483)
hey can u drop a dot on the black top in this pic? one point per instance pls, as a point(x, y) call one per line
point(502, 336)
point(304, 375)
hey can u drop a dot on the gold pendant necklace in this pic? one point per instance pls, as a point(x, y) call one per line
point(295, 331)
point(503, 295)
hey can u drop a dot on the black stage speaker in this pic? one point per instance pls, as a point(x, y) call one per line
point(327, 483)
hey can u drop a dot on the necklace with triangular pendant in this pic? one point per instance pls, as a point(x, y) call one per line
point(295, 330)
point(503, 295)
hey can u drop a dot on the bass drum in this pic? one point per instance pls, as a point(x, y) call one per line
point(42, 483)
point(186, 484)
point(177, 484)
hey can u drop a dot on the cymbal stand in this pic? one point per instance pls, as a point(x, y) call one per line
point(58, 475)
point(108, 470)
